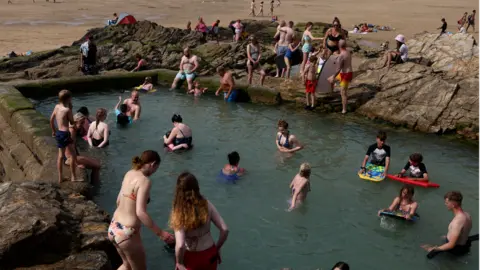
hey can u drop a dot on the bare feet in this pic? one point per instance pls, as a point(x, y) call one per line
point(74, 179)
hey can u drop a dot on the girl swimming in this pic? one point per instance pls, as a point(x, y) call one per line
point(404, 203)
point(98, 133)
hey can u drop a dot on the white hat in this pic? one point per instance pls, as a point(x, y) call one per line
point(400, 38)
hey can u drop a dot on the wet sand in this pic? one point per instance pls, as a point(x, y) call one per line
point(45, 25)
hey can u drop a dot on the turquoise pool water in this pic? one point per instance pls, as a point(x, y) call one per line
point(339, 220)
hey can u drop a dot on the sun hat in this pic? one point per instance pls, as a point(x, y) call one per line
point(400, 38)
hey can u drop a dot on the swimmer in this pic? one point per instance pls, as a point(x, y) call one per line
point(121, 113)
point(146, 86)
point(226, 85)
point(404, 203)
point(457, 240)
point(180, 133)
point(341, 266)
point(417, 169)
point(197, 91)
point(82, 131)
point(231, 171)
point(378, 153)
point(172, 146)
point(98, 132)
point(133, 106)
point(300, 186)
point(286, 142)
point(188, 66)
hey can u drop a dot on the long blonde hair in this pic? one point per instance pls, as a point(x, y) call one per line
point(305, 170)
point(189, 209)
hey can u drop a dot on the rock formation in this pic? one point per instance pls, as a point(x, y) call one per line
point(46, 228)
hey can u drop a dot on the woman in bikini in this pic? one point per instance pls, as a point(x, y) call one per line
point(404, 203)
point(254, 54)
point(191, 218)
point(230, 173)
point(307, 40)
point(98, 132)
point(180, 134)
point(131, 212)
point(285, 141)
point(332, 37)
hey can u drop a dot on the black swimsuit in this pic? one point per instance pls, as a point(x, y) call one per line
point(335, 39)
point(186, 140)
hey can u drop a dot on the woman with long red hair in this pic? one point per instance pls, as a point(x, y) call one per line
point(190, 219)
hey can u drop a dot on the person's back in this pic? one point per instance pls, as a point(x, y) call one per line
point(126, 205)
point(61, 117)
point(200, 238)
point(464, 220)
point(98, 129)
point(185, 131)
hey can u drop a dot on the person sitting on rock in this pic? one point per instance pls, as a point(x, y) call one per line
point(141, 63)
point(399, 56)
point(188, 66)
point(114, 20)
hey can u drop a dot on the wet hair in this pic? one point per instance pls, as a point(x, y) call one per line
point(282, 123)
point(382, 136)
point(177, 118)
point(122, 119)
point(148, 156)
point(341, 266)
point(308, 24)
point(64, 95)
point(148, 79)
point(410, 191)
point(233, 158)
point(454, 196)
point(100, 113)
point(416, 157)
point(189, 207)
point(84, 111)
point(305, 170)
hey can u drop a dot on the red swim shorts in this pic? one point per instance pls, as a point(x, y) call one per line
point(345, 79)
point(201, 260)
point(310, 86)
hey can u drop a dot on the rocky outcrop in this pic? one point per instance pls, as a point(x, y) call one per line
point(44, 227)
point(439, 98)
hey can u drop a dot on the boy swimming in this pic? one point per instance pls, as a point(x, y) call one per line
point(62, 114)
point(379, 155)
point(121, 113)
point(300, 186)
point(231, 172)
point(197, 91)
point(417, 170)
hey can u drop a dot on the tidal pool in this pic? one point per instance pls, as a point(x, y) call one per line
point(338, 222)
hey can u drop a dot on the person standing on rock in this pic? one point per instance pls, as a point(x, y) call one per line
point(285, 35)
point(188, 66)
point(254, 53)
point(471, 20)
point(88, 57)
point(131, 212)
point(333, 36)
point(344, 72)
point(133, 106)
point(226, 85)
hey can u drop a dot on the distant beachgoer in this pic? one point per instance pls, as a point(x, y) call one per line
point(292, 47)
point(285, 141)
point(417, 170)
point(180, 133)
point(189, 26)
point(333, 36)
point(188, 66)
point(121, 113)
point(231, 172)
point(114, 20)
point(63, 116)
point(81, 160)
point(471, 20)
point(98, 132)
point(443, 27)
point(201, 27)
point(191, 219)
point(344, 72)
point(197, 90)
point(278, 3)
point(252, 8)
point(399, 56)
point(238, 26)
point(260, 13)
point(134, 108)
point(147, 85)
point(378, 153)
point(272, 3)
point(226, 85)
point(131, 212)
point(404, 203)
point(310, 80)
point(307, 39)
point(462, 21)
point(341, 266)
point(88, 57)
point(285, 35)
point(254, 54)
point(300, 186)
point(457, 240)
point(214, 31)
point(141, 63)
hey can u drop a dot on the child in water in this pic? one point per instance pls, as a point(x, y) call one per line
point(197, 91)
point(121, 113)
point(404, 203)
point(231, 172)
point(147, 85)
point(172, 147)
point(417, 169)
point(300, 186)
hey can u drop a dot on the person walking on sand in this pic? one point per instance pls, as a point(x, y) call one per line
point(254, 54)
point(260, 13)
point(191, 219)
point(271, 7)
point(131, 212)
point(252, 8)
point(462, 21)
point(344, 71)
point(63, 116)
point(278, 3)
point(471, 20)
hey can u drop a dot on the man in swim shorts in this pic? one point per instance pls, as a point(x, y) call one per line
point(344, 72)
point(188, 65)
point(133, 106)
point(226, 85)
point(456, 241)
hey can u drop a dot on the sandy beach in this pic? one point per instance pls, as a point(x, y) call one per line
point(45, 25)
